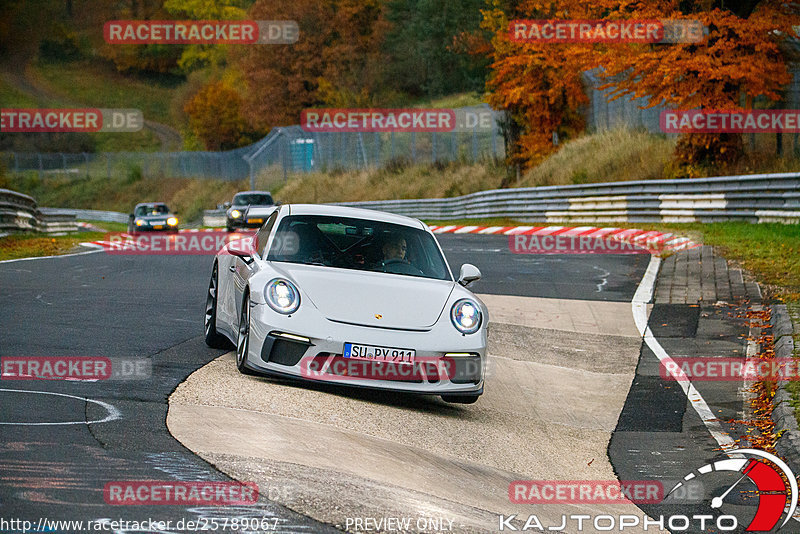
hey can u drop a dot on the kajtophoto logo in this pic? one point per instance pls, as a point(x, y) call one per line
point(746, 479)
point(775, 485)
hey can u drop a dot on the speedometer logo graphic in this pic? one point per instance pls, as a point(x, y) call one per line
point(775, 484)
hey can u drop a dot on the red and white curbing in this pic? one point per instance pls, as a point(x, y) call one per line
point(657, 241)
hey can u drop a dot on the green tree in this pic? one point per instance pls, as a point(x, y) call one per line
point(421, 46)
point(198, 56)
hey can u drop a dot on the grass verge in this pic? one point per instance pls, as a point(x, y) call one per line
point(34, 245)
point(393, 182)
point(98, 84)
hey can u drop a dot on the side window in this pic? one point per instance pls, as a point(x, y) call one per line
point(262, 236)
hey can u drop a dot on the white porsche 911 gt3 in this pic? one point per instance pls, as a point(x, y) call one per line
point(352, 296)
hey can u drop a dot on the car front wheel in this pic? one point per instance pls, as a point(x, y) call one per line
point(213, 338)
point(243, 341)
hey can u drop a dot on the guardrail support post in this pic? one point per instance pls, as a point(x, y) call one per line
point(377, 149)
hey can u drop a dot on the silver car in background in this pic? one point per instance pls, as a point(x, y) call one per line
point(352, 296)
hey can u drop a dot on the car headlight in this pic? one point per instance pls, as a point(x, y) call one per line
point(172, 221)
point(139, 222)
point(236, 214)
point(282, 296)
point(466, 316)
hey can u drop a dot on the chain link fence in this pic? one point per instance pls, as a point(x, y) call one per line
point(285, 151)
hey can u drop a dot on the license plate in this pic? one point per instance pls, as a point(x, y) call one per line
point(255, 221)
point(376, 353)
point(158, 226)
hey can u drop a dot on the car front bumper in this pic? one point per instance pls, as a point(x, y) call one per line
point(148, 228)
point(244, 223)
point(447, 362)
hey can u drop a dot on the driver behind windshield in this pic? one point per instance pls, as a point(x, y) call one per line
point(395, 248)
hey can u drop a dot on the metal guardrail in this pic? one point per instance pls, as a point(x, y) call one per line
point(18, 211)
point(89, 215)
point(214, 218)
point(754, 198)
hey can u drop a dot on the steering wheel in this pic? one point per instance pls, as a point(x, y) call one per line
point(405, 267)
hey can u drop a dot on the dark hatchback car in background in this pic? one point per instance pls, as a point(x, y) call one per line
point(249, 209)
point(152, 217)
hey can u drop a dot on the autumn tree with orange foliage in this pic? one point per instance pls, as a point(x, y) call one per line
point(740, 59)
point(539, 83)
point(215, 117)
point(337, 59)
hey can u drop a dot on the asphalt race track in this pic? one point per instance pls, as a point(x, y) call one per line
point(62, 442)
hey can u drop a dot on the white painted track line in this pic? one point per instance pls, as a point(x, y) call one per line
point(639, 307)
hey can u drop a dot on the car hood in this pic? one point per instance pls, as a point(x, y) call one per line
point(259, 211)
point(360, 297)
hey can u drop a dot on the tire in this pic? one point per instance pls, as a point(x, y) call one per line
point(243, 340)
point(214, 339)
point(460, 399)
point(230, 229)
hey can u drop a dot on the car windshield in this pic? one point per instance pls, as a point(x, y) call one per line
point(159, 209)
point(254, 199)
point(359, 244)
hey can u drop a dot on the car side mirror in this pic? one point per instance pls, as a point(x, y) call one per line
point(226, 205)
point(242, 248)
point(469, 273)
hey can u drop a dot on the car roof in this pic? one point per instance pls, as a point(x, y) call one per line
point(253, 193)
point(151, 204)
point(356, 213)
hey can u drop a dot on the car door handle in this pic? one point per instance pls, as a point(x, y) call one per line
point(232, 268)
